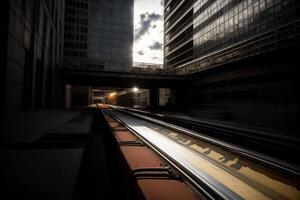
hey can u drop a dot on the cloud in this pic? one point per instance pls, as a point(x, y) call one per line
point(141, 52)
point(162, 2)
point(145, 23)
point(156, 46)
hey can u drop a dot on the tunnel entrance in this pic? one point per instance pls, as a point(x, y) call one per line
point(79, 96)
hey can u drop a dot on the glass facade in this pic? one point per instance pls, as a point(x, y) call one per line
point(178, 33)
point(110, 36)
point(99, 34)
point(226, 22)
point(227, 30)
point(76, 28)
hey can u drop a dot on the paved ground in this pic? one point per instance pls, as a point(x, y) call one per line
point(40, 153)
point(30, 126)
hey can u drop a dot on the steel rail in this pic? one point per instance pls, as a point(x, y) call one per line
point(197, 171)
point(208, 175)
point(250, 154)
point(203, 183)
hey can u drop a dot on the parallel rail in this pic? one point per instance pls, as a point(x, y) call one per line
point(236, 139)
point(200, 186)
point(203, 183)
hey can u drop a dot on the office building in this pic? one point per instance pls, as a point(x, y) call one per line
point(31, 49)
point(203, 34)
point(242, 56)
point(99, 35)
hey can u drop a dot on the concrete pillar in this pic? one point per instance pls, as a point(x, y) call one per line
point(68, 96)
point(172, 98)
point(59, 91)
point(90, 96)
point(180, 96)
point(80, 96)
point(154, 97)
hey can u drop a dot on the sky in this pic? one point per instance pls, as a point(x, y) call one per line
point(148, 31)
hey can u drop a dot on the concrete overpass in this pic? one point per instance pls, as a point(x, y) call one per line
point(152, 80)
point(121, 79)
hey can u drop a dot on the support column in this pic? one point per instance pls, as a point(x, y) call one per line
point(59, 91)
point(90, 96)
point(4, 23)
point(180, 96)
point(154, 97)
point(68, 96)
point(172, 98)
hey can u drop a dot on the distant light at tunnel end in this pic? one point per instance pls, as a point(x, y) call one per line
point(135, 89)
point(111, 95)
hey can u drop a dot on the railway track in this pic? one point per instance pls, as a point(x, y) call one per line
point(273, 146)
point(211, 168)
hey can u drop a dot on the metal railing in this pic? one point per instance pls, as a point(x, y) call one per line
point(153, 68)
point(137, 67)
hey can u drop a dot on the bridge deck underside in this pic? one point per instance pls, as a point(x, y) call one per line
point(123, 80)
